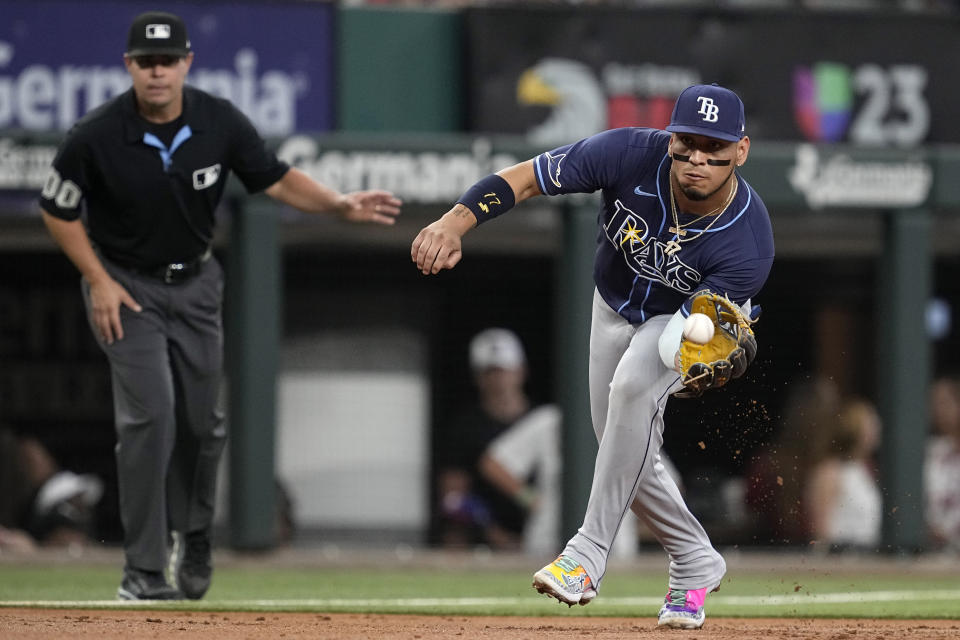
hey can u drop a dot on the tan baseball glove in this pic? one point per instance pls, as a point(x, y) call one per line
point(728, 353)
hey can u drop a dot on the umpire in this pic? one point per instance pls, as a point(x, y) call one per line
point(150, 167)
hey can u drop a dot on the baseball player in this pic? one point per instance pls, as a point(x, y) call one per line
point(679, 232)
point(150, 166)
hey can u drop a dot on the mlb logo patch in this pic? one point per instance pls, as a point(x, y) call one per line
point(206, 177)
point(158, 32)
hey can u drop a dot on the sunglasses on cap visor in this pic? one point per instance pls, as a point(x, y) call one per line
point(148, 62)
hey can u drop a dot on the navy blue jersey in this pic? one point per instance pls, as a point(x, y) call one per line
point(633, 272)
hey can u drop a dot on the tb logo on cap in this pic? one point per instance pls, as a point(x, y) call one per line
point(158, 32)
point(708, 109)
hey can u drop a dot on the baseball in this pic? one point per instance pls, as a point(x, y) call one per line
point(698, 328)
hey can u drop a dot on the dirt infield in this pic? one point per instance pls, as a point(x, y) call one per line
point(37, 624)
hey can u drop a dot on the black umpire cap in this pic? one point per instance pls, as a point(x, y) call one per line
point(158, 33)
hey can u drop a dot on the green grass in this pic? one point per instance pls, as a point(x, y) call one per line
point(490, 592)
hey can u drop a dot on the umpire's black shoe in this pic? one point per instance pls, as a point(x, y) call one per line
point(146, 585)
point(193, 564)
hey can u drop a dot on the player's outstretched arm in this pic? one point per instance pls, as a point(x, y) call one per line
point(438, 246)
point(302, 192)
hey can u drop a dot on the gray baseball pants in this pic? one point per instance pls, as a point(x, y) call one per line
point(629, 387)
point(166, 374)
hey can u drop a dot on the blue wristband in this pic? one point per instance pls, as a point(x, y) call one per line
point(488, 198)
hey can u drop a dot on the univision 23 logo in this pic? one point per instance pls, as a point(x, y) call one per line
point(866, 105)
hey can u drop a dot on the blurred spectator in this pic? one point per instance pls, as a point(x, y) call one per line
point(41, 504)
point(16, 490)
point(16, 541)
point(526, 461)
point(472, 509)
point(842, 497)
point(942, 465)
point(500, 462)
point(777, 476)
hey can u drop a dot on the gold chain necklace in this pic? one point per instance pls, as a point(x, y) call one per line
point(720, 208)
point(673, 246)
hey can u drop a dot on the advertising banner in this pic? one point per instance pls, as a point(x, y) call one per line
point(438, 169)
point(59, 59)
point(557, 75)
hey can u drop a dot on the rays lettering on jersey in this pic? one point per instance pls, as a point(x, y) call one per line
point(628, 233)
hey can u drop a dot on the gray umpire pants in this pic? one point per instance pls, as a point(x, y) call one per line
point(629, 388)
point(166, 375)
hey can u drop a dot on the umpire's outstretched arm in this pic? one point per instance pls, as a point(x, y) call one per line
point(302, 192)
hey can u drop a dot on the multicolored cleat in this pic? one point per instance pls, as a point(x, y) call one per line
point(683, 609)
point(565, 580)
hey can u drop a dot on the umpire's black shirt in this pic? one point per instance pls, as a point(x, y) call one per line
point(151, 191)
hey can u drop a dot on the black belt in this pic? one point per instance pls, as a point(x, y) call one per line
point(176, 272)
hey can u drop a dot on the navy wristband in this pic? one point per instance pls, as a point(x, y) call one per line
point(488, 198)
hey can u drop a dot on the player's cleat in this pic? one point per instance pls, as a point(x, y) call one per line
point(683, 609)
point(566, 581)
point(146, 585)
point(190, 563)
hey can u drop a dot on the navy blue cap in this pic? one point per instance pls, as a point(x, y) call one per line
point(708, 110)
